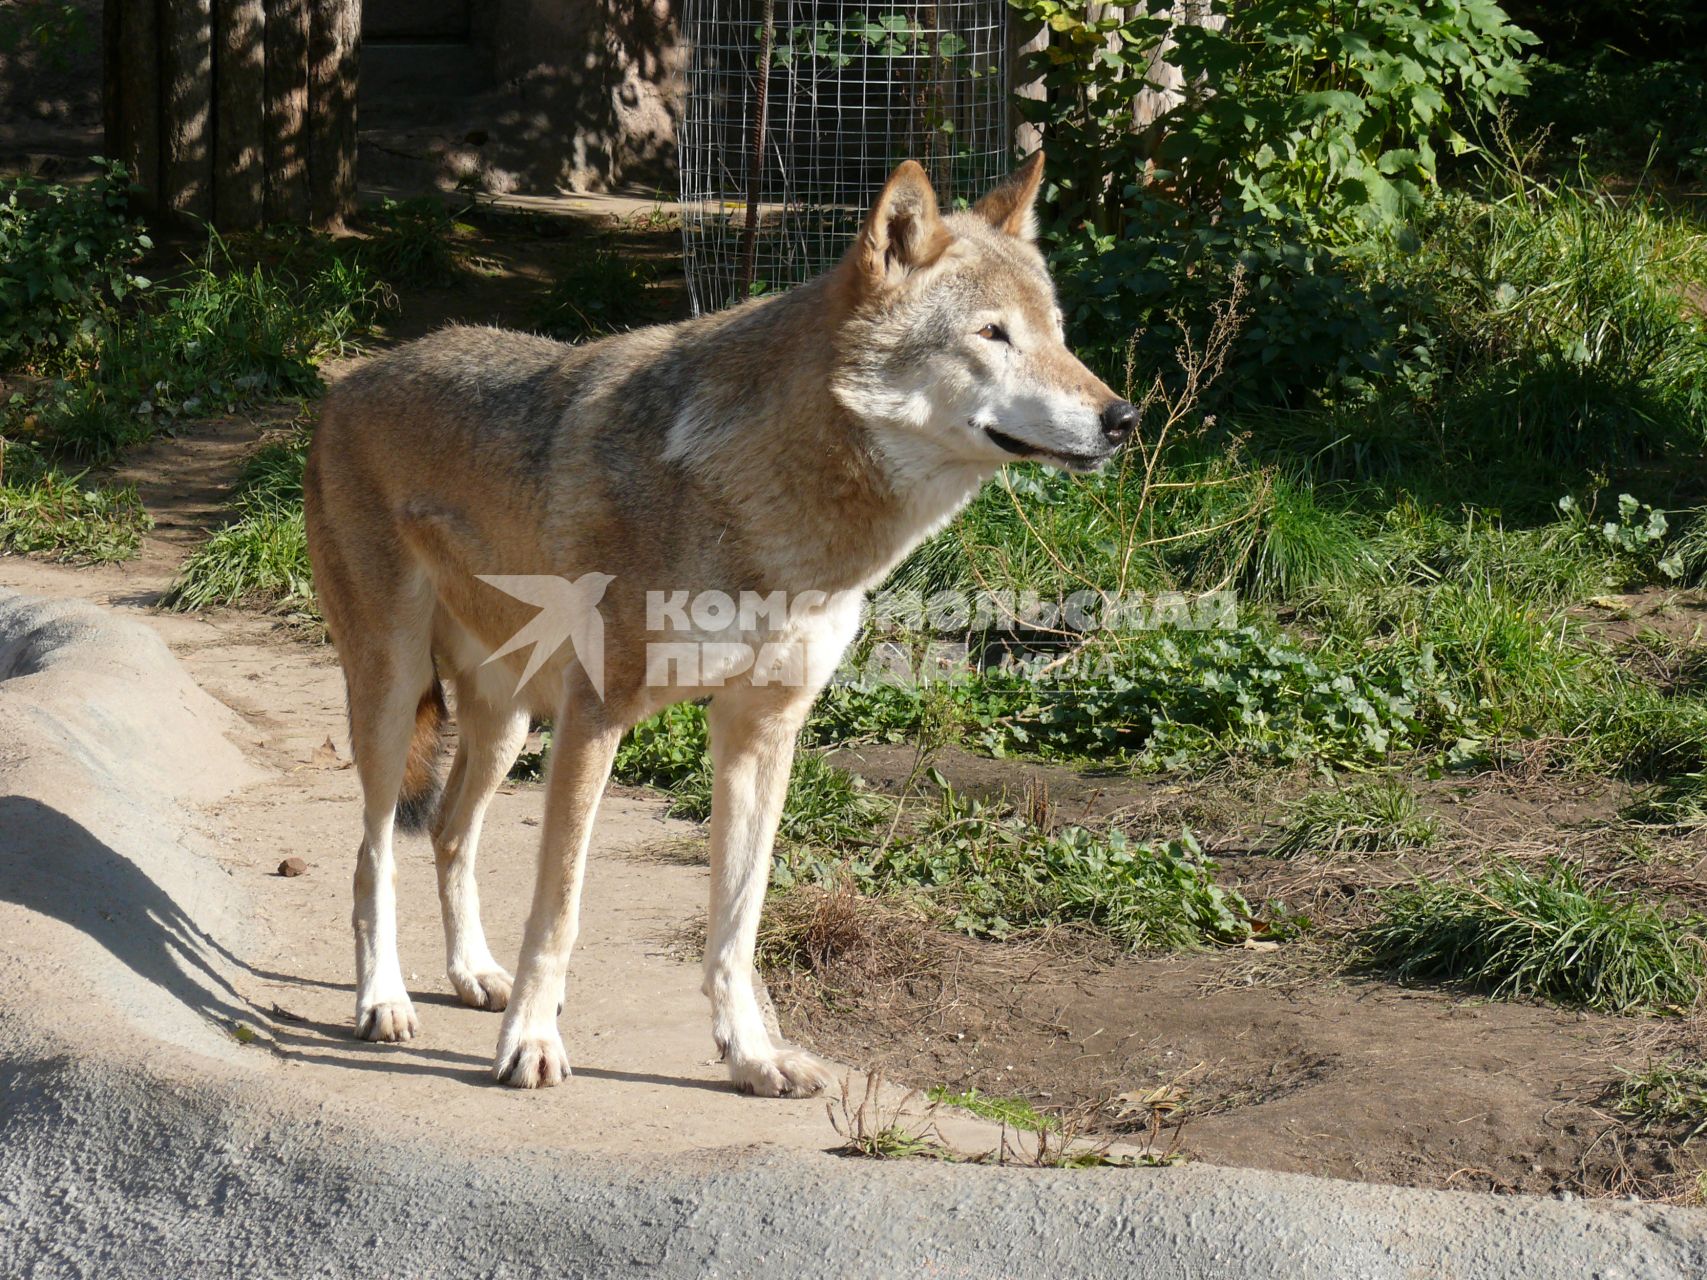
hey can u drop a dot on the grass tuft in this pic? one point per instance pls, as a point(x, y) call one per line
point(1514, 933)
point(1667, 1093)
point(1016, 1113)
point(45, 512)
point(261, 557)
point(1370, 817)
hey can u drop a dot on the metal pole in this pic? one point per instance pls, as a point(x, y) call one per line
point(750, 234)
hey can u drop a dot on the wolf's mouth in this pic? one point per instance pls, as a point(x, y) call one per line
point(1020, 449)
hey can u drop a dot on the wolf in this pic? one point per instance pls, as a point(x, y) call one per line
point(799, 444)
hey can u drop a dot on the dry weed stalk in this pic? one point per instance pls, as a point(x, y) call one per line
point(1125, 501)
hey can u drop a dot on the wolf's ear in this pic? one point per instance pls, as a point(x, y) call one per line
point(903, 232)
point(1009, 207)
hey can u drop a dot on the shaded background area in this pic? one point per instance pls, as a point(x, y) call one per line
point(530, 96)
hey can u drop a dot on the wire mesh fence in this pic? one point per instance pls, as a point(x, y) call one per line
point(798, 109)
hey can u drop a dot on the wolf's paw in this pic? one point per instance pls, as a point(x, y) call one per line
point(786, 1073)
point(482, 988)
point(387, 1021)
point(530, 1060)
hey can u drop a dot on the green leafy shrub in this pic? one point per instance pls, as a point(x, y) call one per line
point(1320, 126)
point(65, 259)
point(1516, 933)
point(995, 875)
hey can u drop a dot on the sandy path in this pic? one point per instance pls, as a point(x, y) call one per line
point(635, 1023)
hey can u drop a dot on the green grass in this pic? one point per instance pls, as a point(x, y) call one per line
point(45, 512)
point(411, 242)
point(219, 338)
point(1676, 802)
point(261, 557)
point(595, 291)
point(1561, 338)
point(1016, 1113)
point(825, 805)
point(992, 874)
point(1368, 817)
point(1667, 1093)
point(1513, 933)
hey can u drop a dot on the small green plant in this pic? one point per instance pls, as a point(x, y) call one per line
point(596, 291)
point(1370, 817)
point(1517, 933)
point(413, 242)
point(1015, 1113)
point(666, 750)
point(1668, 1093)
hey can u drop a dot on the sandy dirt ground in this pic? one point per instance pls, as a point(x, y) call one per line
point(636, 1025)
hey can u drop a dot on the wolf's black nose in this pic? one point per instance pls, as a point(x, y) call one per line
point(1118, 421)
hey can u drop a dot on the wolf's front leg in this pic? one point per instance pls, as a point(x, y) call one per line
point(530, 1050)
point(752, 749)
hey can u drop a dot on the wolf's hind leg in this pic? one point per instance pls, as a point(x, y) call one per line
point(490, 736)
point(584, 741)
point(385, 690)
point(752, 749)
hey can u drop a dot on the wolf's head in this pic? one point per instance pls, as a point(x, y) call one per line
point(953, 350)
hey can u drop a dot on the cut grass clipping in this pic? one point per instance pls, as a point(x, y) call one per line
point(1370, 817)
point(1515, 933)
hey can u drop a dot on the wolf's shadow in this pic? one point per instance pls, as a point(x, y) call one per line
point(52, 865)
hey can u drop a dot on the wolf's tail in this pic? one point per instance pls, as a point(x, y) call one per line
point(422, 786)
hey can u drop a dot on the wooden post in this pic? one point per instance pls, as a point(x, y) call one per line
point(186, 72)
point(239, 76)
point(234, 110)
point(136, 120)
point(1024, 38)
point(287, 111)
point(334, 49)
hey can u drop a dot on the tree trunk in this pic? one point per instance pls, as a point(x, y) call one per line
point(235, 110)
point(334, 48)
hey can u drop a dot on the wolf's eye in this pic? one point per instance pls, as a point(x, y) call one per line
point(994, 332)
